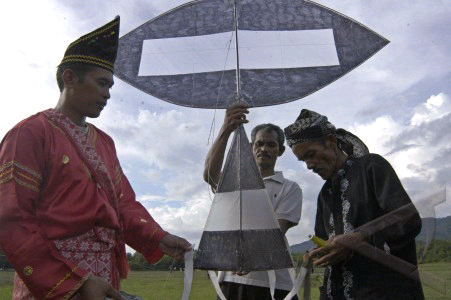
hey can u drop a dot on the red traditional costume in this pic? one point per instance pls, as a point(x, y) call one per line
point(66, 208)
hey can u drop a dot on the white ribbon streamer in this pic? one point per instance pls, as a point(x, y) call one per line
point(292, 273)
point(303, 276)
point(188, 274)
point(272, 282)
point(214, 280)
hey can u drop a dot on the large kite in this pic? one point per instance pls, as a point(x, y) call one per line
point(210, 53)
point(287, 50)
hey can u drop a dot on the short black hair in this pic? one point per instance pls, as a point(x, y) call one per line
point(79, 69)
point(268, 127)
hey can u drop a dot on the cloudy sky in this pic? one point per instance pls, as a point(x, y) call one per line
point(398, 102)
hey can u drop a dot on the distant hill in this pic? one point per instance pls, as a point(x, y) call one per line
point(442, 228)
point(302, 247)
point(442, 232)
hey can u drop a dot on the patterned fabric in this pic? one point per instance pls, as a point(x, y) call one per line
point(350, 143)
point(98, 48)
point(310, 126)
point(347, 228)
point(92, 251)
point(98, 168)
point(88, 151)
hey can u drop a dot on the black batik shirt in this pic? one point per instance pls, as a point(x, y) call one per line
point(365, 189)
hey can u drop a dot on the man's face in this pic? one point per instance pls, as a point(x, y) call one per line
point(319, 157)
point(266, 148)
point(90, 97)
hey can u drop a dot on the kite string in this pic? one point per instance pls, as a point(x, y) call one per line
point(228, 44)
point(213, 122)
point(211, 134)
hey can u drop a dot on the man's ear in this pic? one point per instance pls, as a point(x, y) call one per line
point(281, 150)
point(69, 78)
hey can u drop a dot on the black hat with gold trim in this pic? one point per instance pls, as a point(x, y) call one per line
point(98, 48)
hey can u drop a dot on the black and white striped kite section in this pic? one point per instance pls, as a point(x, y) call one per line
point(286, 51)
point(241, 232)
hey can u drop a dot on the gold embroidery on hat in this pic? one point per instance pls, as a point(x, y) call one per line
point(96, 32)
point(87, 58)
point(65, 159)
point(28, 270)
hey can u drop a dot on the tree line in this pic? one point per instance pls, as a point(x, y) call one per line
point(437, 251)
point(137, 262)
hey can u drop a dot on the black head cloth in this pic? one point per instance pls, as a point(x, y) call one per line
point(311, 125)
point(97, 48)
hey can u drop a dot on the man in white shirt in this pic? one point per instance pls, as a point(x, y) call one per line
point(285, 195)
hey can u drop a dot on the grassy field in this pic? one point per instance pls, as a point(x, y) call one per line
point(436, 280)
point(159, 285)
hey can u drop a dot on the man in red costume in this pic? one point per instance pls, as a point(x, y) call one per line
point(66, 208)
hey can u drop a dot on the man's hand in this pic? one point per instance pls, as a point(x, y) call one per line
point(338, 249)
point(96, 288)
point(174, 246)
point(235, 116)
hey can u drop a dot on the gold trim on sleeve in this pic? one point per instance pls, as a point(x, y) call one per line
point(76, 287)
point(21, 174)
point(60, 282)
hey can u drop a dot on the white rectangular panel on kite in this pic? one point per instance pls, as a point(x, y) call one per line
point(258, 50)
point(256, 211)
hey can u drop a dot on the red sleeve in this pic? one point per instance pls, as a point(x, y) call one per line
point(141, 231)
point(22, 174)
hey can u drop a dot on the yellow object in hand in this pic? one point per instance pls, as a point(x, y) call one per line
point(317, 240)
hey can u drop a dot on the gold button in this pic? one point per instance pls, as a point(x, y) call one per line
point(28, 270)
point(65, 159)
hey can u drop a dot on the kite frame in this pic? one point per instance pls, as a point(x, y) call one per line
point(239, 96)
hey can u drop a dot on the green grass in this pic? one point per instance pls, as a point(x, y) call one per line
point(162, 285)
point(436, 280)
point(6, 284)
